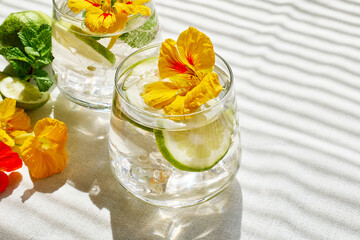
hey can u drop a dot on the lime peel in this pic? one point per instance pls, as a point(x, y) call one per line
point(27, 96)
point(198, 149)
point(70, 36)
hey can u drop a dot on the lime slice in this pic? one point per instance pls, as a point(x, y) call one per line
point(198, 149)
point(27, 96)
point(74, 39)
point(142, 73)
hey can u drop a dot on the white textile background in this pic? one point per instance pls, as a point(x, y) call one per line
point(297, 69)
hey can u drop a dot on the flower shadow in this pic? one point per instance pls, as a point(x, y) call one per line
point(15, 179)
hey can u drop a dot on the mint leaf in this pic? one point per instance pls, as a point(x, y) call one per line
point(142, 35)
point(42, 80)
point(22, 69)
point(37, 45)
point(14, 53)
point(19, 61)
point(35, 53)
point(31, 52)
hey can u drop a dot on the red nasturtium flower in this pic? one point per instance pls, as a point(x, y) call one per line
point(9, 161)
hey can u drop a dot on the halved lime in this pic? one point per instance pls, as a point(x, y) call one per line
point(197, 149)
point(74, 39)
point(27, 96)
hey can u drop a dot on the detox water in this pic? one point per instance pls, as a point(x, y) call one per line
point(134, 143)
point(85, 63)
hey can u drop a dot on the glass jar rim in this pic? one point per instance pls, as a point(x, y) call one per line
point(157, 115)
point(67, 16)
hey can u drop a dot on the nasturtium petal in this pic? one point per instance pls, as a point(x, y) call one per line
point(78, 5)
point(170, 63)
point(196, 48)
point(98, 21)
point(5, 138)
point(207, 89)
point(4, 181)
point(19, 121)
point(20, 136)
point(177, 107)
point(139, 2)
point(159, 94)
point(52, 129)
point(41, 162)
point(185, 82)
point(7, 109)
point(9, 160)
point(133, 8)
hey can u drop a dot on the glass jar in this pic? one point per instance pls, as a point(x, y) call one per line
point(172, 160)
point(85, 62)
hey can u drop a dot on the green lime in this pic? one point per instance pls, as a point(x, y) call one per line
point(72, 37)
point(3, 75)
point(27, 96)
point(16, 21)
point(197, 149)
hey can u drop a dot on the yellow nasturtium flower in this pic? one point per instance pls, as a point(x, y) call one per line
point(186, 67)
point(103, 17)
point(12, 119)
point(44, 154)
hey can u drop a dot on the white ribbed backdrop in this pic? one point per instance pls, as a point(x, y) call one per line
point(297, 70)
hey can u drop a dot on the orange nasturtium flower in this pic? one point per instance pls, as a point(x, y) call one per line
point(44, 154)
point(12, 119)
point(103, 16)
point(186, 69)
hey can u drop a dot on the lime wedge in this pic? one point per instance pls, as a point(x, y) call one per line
point(27, 96)
point(197, 149)
point(74, 39)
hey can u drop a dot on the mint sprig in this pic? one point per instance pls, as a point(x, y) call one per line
point(142, 35)
point(28, 60)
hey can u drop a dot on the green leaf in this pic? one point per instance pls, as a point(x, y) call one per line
point(31, 52)
point(142, 35)
point(19, 61)
point(14, 53)
point(35, 53)
point(22, 69)
point(26, 35)
point(42, 80)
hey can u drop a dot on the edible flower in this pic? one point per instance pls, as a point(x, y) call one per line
point(9, 161)
point(186, 69)
point(44, 154)
point(12, 119)
point(108, 16)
